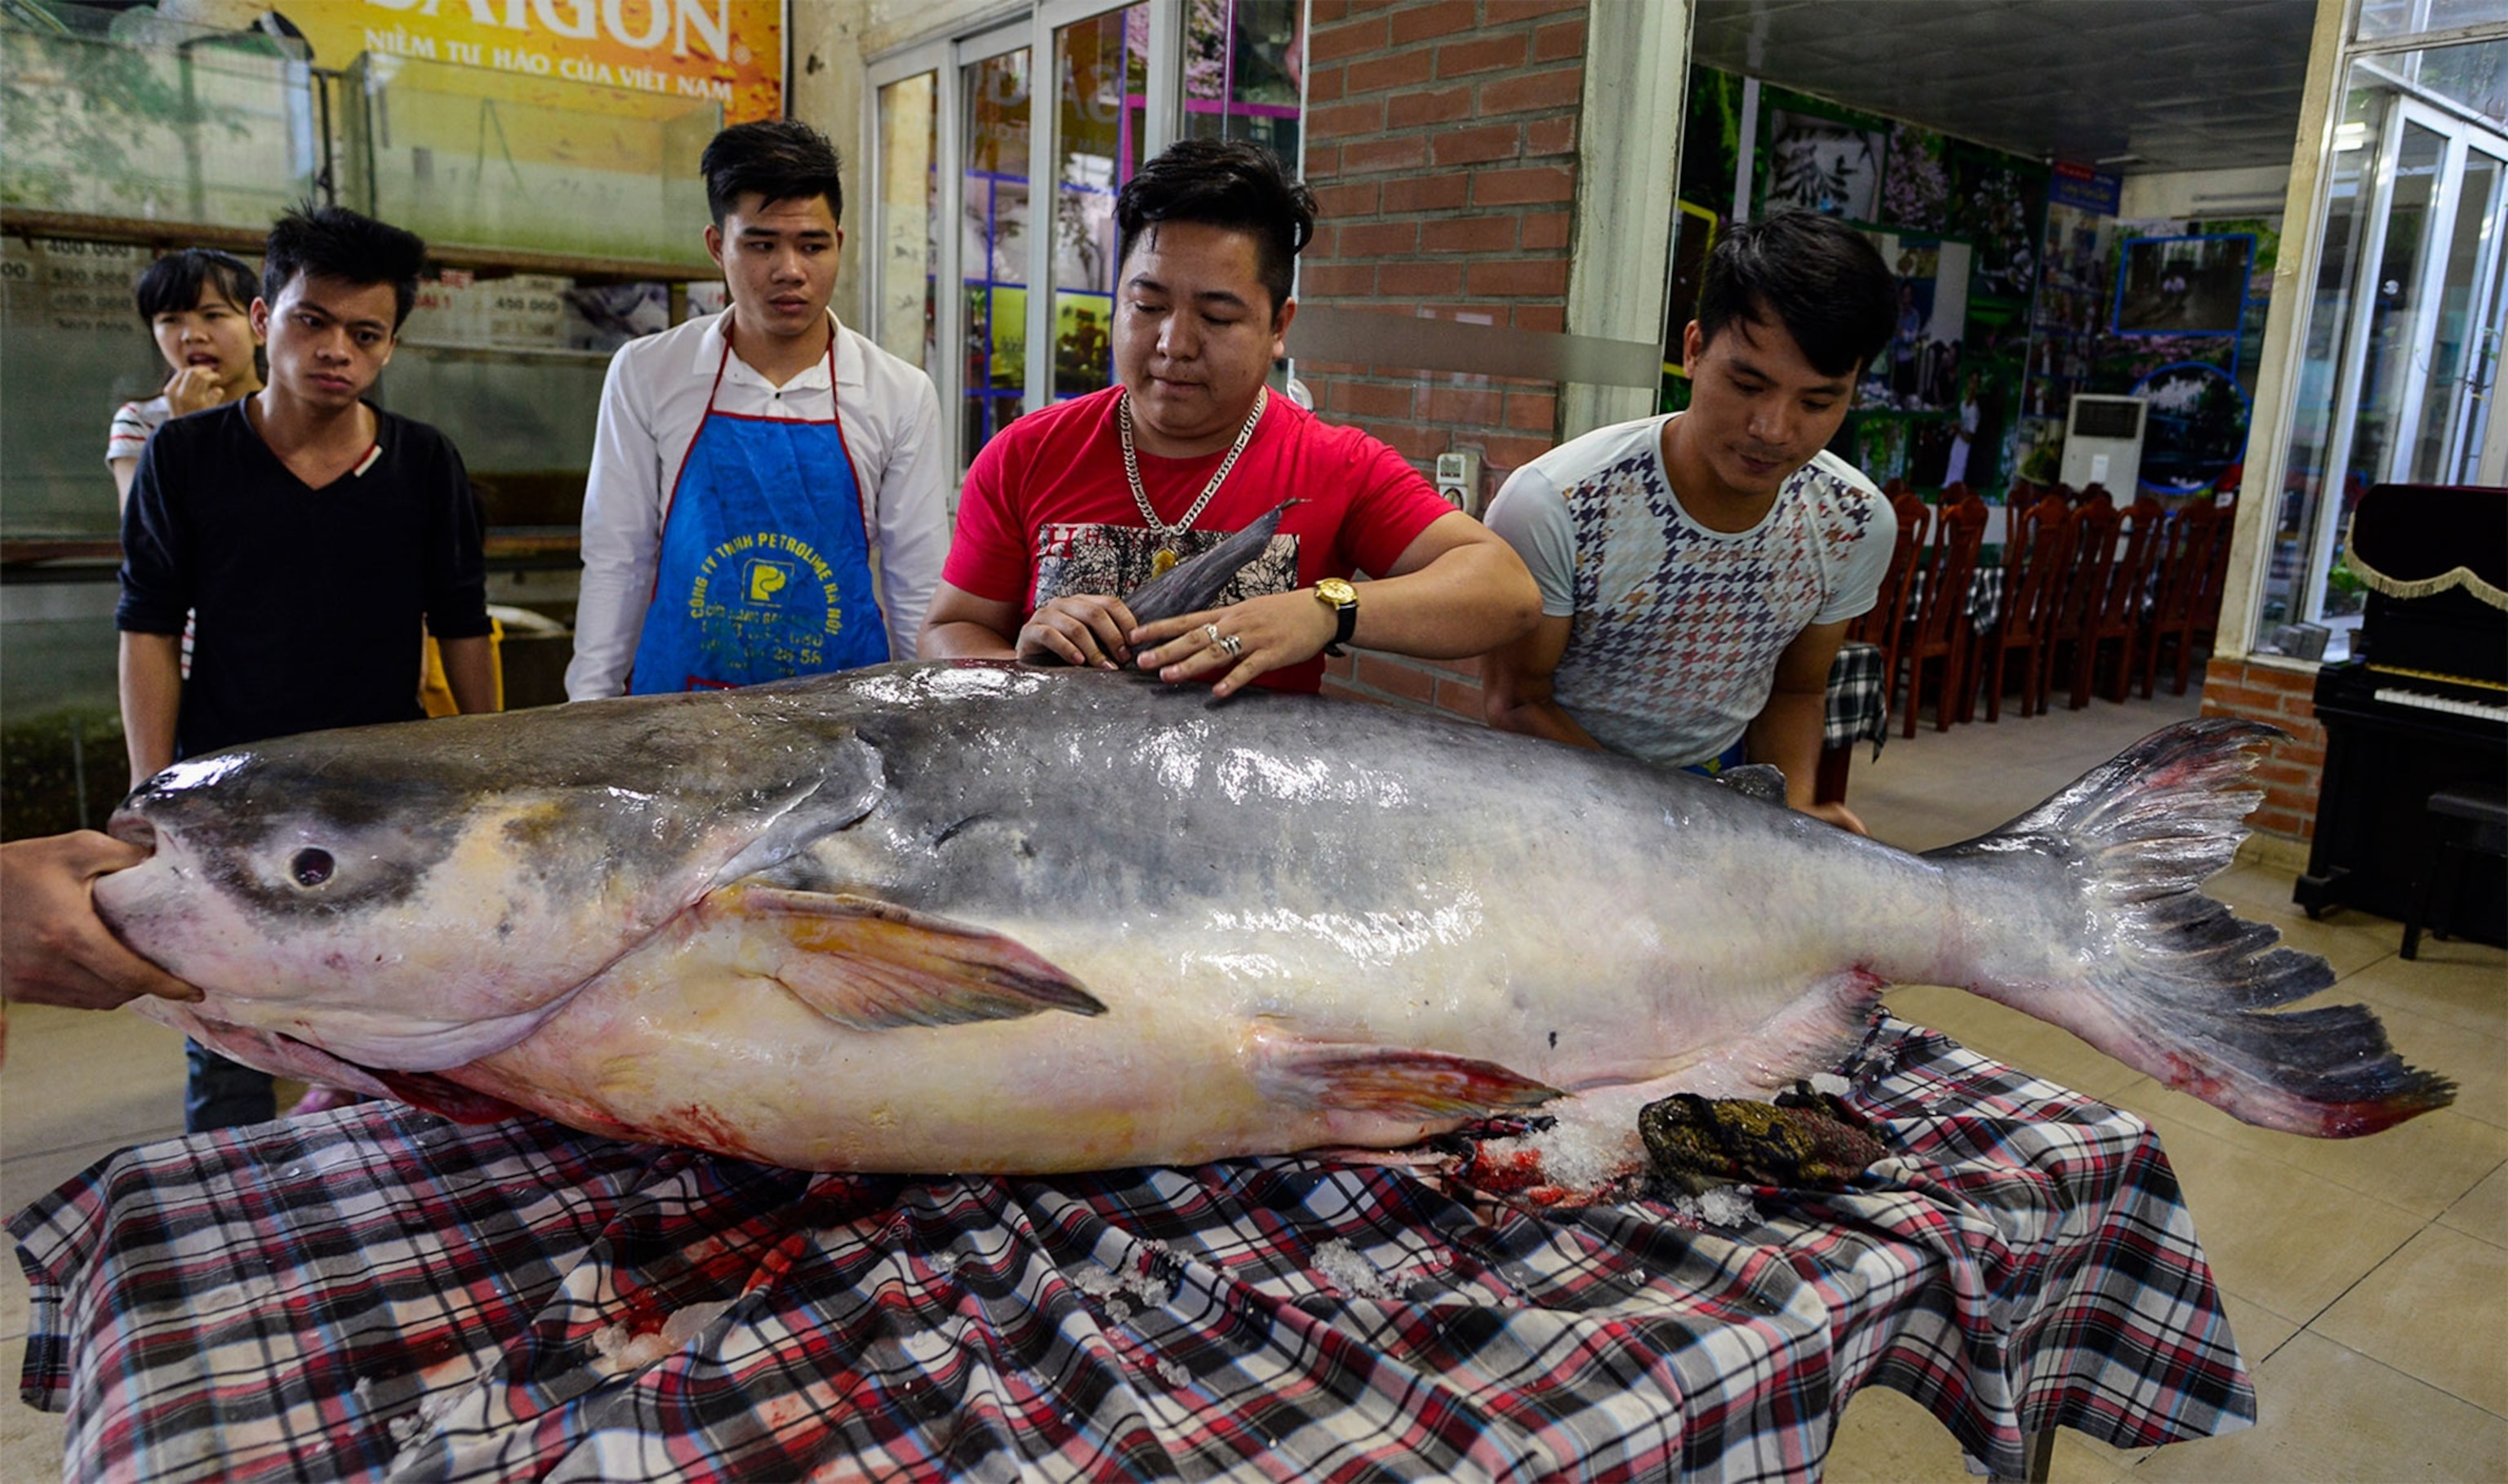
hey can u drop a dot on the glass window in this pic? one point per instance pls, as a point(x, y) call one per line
point(1243, 62)
point(993, 245)
point(909, 185)
point(1103, 63)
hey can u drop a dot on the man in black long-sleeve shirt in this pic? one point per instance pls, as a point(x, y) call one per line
point(315, 538)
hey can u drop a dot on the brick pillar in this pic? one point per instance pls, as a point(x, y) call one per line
point(2292, 771)
point(1442, 150)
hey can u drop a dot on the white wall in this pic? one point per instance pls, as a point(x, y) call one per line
point(2256, 191)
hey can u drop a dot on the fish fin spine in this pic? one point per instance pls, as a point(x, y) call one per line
point(872, 965)
point(1393, 1082)
point(2153, 973)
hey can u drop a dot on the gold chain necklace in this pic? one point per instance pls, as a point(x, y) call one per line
point(1165, 557)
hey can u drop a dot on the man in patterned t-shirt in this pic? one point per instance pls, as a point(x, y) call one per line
point(1697, 571)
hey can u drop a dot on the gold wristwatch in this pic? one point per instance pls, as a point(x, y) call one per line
point(1343, 599)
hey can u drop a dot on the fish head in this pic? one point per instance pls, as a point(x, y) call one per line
point(415, 896)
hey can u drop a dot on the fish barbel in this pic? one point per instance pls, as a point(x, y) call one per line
point(980, 916)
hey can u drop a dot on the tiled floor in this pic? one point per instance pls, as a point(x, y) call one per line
point(2367, 1282)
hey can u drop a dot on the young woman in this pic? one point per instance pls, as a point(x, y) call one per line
point(196, 303)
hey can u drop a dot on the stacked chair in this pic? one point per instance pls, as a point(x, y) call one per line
point(2118, 615)
point(1938, 628)
point(2081, 591)
point(1885, 623)
point(2185, 571)
point(2034, 560)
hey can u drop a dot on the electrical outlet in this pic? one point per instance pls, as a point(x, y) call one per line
point(1459, 479)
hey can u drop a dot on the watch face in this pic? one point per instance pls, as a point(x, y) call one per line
point(1335, 591)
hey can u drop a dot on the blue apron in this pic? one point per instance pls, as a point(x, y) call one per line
point(765, 568)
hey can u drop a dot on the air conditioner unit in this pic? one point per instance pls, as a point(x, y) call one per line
point(2103, 443)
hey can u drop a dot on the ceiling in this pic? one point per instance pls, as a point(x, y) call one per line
point(2178, 84)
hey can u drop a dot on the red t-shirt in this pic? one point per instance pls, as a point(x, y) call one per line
point(1045, 511)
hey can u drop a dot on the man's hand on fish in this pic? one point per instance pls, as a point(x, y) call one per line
point(1235, 645)
point(1084, 629)
point(54, 948)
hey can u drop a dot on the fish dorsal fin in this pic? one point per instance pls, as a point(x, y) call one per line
point(1393, 1081)
point(1762, 781)
point(871, 965)
point(1194, 585)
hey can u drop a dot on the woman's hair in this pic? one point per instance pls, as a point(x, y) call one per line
point(176, 281)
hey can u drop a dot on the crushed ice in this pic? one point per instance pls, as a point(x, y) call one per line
point(616, 1349)
point(1350, 1271)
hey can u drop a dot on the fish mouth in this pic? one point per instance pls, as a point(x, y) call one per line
point(133, 827)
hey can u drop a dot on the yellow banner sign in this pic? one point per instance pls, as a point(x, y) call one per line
point(729, 50)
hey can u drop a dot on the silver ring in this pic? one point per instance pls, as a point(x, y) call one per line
point(1233, 645)
point(1210, 631)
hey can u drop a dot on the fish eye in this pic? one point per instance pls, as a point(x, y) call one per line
point(311, 866)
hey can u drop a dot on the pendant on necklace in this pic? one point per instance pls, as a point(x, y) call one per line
point(1161, 562)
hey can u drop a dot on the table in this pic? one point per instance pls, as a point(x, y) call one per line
point(377, 1290)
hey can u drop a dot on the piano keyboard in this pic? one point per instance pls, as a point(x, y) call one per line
point(2482, 709)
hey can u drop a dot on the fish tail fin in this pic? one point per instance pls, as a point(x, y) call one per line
point(2085, 913)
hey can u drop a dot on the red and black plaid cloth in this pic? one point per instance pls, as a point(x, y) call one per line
point(378, 1292)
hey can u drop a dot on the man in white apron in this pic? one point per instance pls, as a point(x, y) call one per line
point(767, 497)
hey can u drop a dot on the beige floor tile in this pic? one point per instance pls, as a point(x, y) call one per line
point(30, 1441)
point(2424, 1166)
point(2477, 1062)
point(2484, 1211)
point(2459, 983)
point(2328, 1415)
point(1889, 1439)
point(77, 1077)
point(13, 1304)
point(2286, 1241)
point(2438, 1312)
point(29, 1177)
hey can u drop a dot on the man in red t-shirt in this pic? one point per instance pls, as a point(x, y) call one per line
point(1086, 500)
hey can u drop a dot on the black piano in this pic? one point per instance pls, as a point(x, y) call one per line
point(2422, 704)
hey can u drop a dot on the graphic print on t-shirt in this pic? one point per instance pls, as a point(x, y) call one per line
point(1093, 557)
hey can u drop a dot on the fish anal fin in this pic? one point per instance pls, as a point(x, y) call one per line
point(872, 965)
point(1392, 1081)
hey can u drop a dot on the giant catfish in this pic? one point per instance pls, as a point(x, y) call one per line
point(978, 916)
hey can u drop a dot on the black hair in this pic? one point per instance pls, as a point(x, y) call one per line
point(1223, 183)
point(336, 243)
point(779, 159)
point(1824, 279)
point(174, 282)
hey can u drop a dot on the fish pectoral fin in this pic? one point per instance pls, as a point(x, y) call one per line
point(871, 965)
point(1391, 1079)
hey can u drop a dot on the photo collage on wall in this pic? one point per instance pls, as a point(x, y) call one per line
point(1960, 226)
point(2168, 309)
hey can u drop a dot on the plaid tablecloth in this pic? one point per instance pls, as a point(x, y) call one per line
point(1858, 706)
point(378, 1293)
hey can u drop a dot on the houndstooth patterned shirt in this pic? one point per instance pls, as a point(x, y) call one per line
point(1679, 628)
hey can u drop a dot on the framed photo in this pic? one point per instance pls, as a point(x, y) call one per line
point(2183, 285)
point(1823, 165)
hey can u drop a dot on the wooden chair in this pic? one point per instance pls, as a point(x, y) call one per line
point(1939, 628)
point(2089, 545)
point(2033, 555)
point(2183, 565)
point(2118, 615)
point(1885, 623)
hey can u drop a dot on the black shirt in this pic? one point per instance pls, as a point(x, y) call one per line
point(308, 601)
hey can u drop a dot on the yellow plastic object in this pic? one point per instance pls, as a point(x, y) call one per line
point(435, 692)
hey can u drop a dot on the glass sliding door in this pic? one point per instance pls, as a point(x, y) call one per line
point(906, 248)
point(1100, 128)
point(1005, 299)
point(2401, 348)
point(993, 242)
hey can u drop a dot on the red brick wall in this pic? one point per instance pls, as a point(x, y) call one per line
point(1442, 150)
point(2292, 769)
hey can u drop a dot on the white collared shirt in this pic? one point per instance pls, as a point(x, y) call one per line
point(650, 406)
